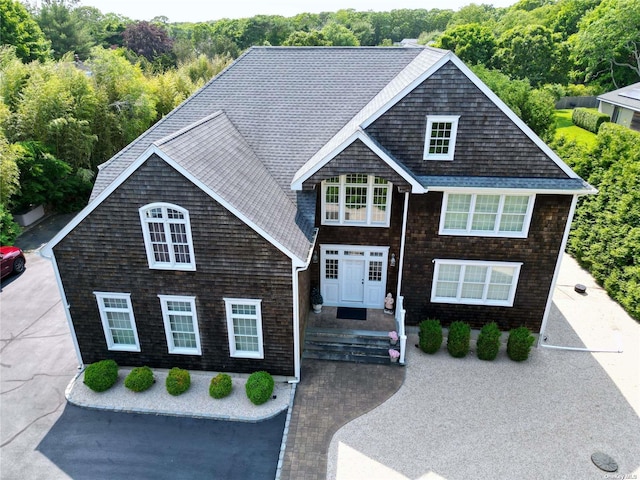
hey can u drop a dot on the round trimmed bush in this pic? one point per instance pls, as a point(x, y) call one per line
point(259, 387)
point(519, 344)
point(178, 381)
point(430, 336)
point(220, 386)
point(139, 379)
point(101, 376)
point(488, 343)
point(458, 339)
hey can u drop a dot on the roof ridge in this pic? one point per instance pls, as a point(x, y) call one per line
point(189, 127)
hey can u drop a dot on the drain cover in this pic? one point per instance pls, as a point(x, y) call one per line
point(604, 462)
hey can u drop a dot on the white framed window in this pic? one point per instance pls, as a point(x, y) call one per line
point(490, 215)
point(440, 137)
point(356, 199)
point(167, 237)
point(244, 327)
point(181, 324)
point(118, 322)
point(475, 282)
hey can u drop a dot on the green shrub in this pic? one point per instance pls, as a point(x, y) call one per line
point(9, 229)
point(589, 119)
point(101, 376)
point(259, 387)
point(488, 343)
point(458, 339)
point(220, 386)
point(178, 381)
point(139, 379)
point(430, 335)
point(519, 344)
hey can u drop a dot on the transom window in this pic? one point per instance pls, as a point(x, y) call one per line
point(474, 282)
point(181, 324)
point(356, 199)
point(118, 322)
point(167, 237)
point(244, 326)
point(486, 215)
point(440, 137)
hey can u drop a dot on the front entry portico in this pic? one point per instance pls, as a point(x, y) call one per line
point(353, 275)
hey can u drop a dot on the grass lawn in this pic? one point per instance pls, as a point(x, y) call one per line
point(565, 128)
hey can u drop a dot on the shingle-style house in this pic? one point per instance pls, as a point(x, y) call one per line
point(358, 170)
point(623, 106)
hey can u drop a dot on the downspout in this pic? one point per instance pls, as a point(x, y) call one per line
point(556, 272)
point(554, 282)
point(296, 310)
point(403, 334)
point(65, 304)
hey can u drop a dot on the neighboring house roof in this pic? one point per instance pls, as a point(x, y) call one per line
point(626, 97)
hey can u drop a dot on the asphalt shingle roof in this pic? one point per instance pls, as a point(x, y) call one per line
point(556, 184)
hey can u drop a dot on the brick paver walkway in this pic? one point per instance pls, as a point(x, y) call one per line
point(330, 395)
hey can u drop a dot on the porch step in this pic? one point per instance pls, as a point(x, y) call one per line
point(358, 346)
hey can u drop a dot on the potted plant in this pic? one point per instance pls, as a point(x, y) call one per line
point(316, 300)
point(394, 355)
point(393, 337)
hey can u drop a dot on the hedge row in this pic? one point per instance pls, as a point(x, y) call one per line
point(102, 375)
point(589, 119)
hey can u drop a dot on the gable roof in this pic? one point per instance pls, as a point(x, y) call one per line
point(627, 97)
point(421, 68)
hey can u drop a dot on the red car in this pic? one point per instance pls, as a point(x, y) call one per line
point(13, 260)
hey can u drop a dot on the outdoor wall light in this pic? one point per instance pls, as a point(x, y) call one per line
point(392, 262)
point(314, 257)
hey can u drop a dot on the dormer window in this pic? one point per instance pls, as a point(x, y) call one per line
point(440, 138)
point(356, 199)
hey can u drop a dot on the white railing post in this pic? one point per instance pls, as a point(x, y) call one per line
point(400, 314)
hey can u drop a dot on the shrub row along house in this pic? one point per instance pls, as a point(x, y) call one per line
point(358, 170)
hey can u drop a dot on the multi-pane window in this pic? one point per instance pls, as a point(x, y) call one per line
point(118, 322)
point(244, 326)
point(181, 324)
point(440, 138)
point(167, 235)
point(356, 199)
point(331, 268)
point(486, 215)
point(473, 282)
point(375, 271)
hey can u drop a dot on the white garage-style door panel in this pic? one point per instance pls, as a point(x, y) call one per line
point(353, 276)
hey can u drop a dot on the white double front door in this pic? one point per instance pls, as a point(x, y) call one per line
point(353, 275)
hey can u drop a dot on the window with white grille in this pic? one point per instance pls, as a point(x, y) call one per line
point(181, 324)
point(118, 322)
point(167, 237)
point(356, 199)
point(244, 327)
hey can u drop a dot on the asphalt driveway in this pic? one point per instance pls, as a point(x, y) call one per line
point(43, 437)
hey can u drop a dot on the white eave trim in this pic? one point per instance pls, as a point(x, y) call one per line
point(361, 135)
point(154, 149)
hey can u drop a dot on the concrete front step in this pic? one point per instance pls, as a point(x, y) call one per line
point(358, 346)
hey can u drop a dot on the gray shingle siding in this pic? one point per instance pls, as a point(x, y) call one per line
point(488, 142)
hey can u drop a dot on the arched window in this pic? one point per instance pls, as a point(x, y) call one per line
point(167, 237)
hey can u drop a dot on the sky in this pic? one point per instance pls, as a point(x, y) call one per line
point(206, 10)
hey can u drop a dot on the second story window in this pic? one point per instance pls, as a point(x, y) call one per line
point(356, 199)
point(440, 138)
point(167, 237)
